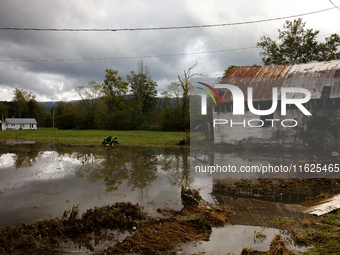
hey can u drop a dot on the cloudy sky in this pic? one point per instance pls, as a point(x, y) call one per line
point(52, 63)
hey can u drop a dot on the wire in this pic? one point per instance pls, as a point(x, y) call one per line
point(334, 5)
point(150, 56)
point(136, 57)
point(158, 28)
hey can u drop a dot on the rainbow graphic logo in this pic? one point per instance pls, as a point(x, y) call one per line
point(208, 92)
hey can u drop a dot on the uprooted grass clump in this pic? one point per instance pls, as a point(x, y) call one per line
point(277, 247)
point(44, 236)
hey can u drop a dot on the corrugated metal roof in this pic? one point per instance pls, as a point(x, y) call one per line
point(20, 121)
point(313, 77)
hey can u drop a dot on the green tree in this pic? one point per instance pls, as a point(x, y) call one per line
point(27, 105)
point(143, 88)
point(21, 97)
point(114, 90)
point(298, 45)
point(228, 70)
point(47, 119)
point(172, 107)
point(66, 121)
point(59, 111)
point(3, 110)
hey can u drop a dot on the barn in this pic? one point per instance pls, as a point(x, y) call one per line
point(321, 79)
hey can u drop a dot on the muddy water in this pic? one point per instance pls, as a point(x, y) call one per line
point(39, 181)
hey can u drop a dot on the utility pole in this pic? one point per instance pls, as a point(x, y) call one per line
point(53, 116)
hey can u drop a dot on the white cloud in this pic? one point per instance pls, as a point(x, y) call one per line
point(55, 80)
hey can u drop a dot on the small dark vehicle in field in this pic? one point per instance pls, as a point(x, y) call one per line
point(110, 141)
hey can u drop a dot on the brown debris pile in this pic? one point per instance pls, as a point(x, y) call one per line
point(277, 247)
point(43, 237)
point(157, 236)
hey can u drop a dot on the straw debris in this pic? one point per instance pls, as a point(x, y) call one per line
point(277, 247)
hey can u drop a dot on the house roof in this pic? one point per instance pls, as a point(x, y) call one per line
point(313, 76)
point(20, 121)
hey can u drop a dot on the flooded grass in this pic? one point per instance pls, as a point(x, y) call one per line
point(95, 137)
point(321, 233)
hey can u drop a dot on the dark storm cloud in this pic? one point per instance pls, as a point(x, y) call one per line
point(56, 80)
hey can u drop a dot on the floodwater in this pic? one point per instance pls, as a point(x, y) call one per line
point(39, 181)
point(42, 180)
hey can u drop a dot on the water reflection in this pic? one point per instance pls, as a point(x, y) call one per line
point(39, 181)
point(51, 178)
point(138, 166)
point(23, 155)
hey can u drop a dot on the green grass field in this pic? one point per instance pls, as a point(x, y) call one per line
point(95, 137)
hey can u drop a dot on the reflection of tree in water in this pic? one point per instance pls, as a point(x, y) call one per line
point(109, 165)
point(143, 169)
point(137, 165)
point(114, 169)
point(177, 163)
point(24, 155)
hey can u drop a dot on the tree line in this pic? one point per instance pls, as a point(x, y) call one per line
point(114, 104)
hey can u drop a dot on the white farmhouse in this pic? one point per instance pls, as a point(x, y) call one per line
point(19, 124)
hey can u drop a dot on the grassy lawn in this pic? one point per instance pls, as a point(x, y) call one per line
point(95, 137)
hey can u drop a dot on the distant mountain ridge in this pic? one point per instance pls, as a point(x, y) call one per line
point(49, 104)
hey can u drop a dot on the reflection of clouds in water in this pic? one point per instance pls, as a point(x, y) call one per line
point(6, 160)
point(47, 166)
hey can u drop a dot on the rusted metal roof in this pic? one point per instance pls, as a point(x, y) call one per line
point(313, 77)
